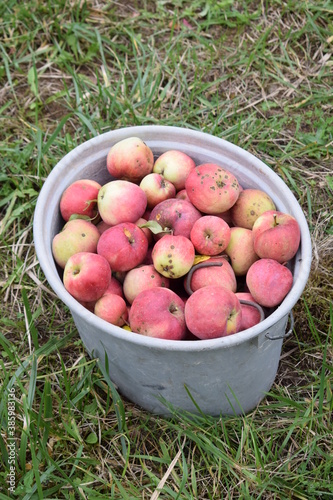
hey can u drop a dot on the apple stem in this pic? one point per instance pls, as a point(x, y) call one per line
point(275, 223)
point(187, 284)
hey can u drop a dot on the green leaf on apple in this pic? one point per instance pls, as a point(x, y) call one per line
point(155, 227)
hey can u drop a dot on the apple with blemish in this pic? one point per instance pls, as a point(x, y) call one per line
point(175, 215)
point(175, 166)
point(130, 159)
point(77, 235)
point(157, 189)
point(269, 282)
point(241, 250)
point(276, 235)
point(124, 246)
point(121, 201)
point(142, 278)
point(158, 312)
point(112, 308)
point(210, 235)
point(173, 256)
point(213, 312)
point(251, 203)
point(212, 189)
point(80, 198)
point(87, 276)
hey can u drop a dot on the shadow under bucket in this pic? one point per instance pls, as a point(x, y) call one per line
point(229, 375)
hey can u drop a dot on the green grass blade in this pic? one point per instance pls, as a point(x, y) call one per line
point(31, 327)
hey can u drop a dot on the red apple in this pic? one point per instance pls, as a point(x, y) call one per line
point(112, 308)
point(241, 250)
point(121, 201)
point(77, 235)
point(175, 215)
point(251, 203)
point(102, 226)
point(119, 275)
point(80, 198)
point(212, 312)
point(226, 216)
point(221, 275)
point(269, 282)
point(276, 235)
point(146, 214)
point(88, 305)
point(149, 235)
point(250, 315)
point(114, 288)
point(124, 246)
point(210, 235)
point(182, 195)
point(158, 312)
point(157, 189)
point(173, 256)
point(130, 159)
point(212, 189)
point(87, 276)
point(174, 166)
point(142, 278)
point(148, 259)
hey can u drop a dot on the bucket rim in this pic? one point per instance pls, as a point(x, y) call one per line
point(45, 257)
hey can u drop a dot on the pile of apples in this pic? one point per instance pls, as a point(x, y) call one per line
point(171, 249)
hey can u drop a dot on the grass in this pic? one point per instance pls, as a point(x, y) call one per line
point(258, 74)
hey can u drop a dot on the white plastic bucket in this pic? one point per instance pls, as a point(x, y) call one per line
point(229, 375)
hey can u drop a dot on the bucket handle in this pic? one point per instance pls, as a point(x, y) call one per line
point(187, 284)
point(289, 332)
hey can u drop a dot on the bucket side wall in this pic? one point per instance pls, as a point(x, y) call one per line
point(225, 380)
